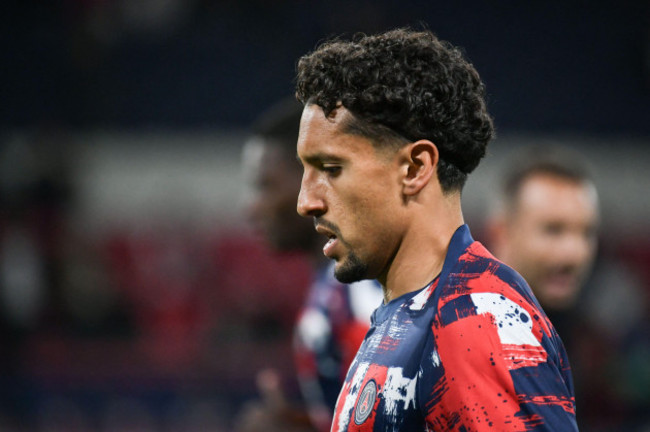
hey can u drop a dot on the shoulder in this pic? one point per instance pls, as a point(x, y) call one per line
point(477, 270)
point(479, 283)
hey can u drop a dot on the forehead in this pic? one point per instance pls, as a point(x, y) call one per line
point(263, 157)
point(323, 137)
point(548, 195)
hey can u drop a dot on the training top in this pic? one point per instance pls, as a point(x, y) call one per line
point(329, 332)
point(472, 351)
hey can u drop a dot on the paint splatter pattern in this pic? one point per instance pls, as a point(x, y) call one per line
point(473, 351)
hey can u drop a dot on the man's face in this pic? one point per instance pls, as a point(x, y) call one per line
point(352, 192)
point(551, 237)
point(274, 177)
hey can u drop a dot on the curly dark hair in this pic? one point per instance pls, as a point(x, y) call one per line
point(401, 86)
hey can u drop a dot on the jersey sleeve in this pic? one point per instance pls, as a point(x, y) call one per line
point(497, 369)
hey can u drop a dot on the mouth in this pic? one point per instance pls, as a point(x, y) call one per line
point(563, 282)
point(564, 273)
point(329, 231)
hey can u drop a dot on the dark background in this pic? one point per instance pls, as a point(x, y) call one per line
point(133, 296)
point(549, 65)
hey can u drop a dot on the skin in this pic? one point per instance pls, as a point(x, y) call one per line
point(383, 209)
point(549, 237)
point(274, 176)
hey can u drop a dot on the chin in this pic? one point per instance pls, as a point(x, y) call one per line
point(351, 270)
point(559, 303)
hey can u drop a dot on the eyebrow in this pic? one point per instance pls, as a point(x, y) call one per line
point(319, 158)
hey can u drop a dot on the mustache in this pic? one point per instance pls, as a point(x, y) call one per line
point(318, 221)
point(565, 269)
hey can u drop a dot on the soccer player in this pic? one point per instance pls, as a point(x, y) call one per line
point(335, 317)
point(392, 126)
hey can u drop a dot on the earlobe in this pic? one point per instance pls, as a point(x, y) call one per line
point(421, 161)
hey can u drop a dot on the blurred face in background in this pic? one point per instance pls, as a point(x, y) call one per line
point(548, 235)
point(274, 177)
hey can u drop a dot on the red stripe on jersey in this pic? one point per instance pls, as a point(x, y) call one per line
point(480, 393)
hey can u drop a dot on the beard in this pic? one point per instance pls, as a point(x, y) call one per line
point(351, 270)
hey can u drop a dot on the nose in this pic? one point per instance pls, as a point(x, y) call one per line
point(577, 249)
point(310, 199)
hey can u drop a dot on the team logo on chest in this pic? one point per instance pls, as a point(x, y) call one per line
point(366, 402)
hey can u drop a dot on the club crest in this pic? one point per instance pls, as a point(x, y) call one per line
point(366, 402)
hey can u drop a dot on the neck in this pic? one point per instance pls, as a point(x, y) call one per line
point(422, 251)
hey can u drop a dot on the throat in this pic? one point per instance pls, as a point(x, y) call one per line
point(412, 276)
point(388, 295)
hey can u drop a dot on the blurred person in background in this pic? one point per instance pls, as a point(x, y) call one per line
point(336, 316)
point(544, 224)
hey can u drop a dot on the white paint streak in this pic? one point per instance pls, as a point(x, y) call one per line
point(420, 300)
point(351, 397)
point(398, 329)
point(514, 323)
point(435, 358)
point(398, 389)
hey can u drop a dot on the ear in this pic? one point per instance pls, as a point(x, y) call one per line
point(420, 163)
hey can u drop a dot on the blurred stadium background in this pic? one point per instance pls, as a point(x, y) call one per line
point(133, 297)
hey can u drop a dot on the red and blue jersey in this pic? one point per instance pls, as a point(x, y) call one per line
point(472, 351)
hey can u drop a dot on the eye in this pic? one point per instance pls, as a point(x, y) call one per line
point(331, 169)
point(554, 229)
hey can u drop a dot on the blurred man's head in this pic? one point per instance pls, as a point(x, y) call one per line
point(546, 222)
point(274, 174)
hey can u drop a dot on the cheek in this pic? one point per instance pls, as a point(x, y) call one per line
point(531, 249)
point(379, 225)
point(359, 217)
point(541, 239)
point(583, 253)
point(365, 207)
point(543, 246)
